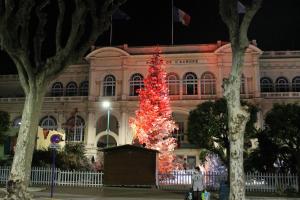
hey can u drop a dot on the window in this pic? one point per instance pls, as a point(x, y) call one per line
point(48, 123)
point(136, 83)
point(71, 89)
point(84, 88)
point(191, 162)
point(102, 142)
point(179, 134)
point(173, 84)
point(74, 129)
point(102, 124)
point(57, 89)
point(243, 86)
point(266, 85)
point(282, 85)
point(109, 86)
point(208, 84)
point(296, 84)
point(17, 122)
point(190, 84)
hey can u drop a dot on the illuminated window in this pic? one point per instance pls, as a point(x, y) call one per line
point(208, 84)
point(282, 85)
point(190, 84)
point(266, 85)
point(74, 129)
point(173, 84)
point(84, 88)
point(48, 123)
point(57, 89)
point(296, 84)
point(71, 89)
point(136, 83)
point(109, 86)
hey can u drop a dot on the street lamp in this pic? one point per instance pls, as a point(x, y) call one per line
point(106, 105)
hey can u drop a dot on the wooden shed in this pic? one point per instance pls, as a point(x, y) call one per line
point(129, 165)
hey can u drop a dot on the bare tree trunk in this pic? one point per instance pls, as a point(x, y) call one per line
point(238, 117)
point(21, 168)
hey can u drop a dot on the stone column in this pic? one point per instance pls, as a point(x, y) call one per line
point(91, 134)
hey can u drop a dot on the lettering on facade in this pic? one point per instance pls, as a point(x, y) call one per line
point(186, 61)
point(180, 62)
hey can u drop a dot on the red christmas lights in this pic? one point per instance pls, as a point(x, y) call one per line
point(153, 124)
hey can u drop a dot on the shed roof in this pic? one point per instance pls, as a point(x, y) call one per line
point(128, 147)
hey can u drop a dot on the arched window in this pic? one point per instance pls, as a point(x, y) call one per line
point(17, 122)
point(266, 84)
point(57, 89)
point(109, 86)
point(190, 84)
point(208, 84)
point(84, 88)
point(102, 142)
point(296, 84)
point(71, 89)
point(136, 83)
point(48, 122)
point(102, 124)
point(173, 84)
point(74, 129)
point(282, 85)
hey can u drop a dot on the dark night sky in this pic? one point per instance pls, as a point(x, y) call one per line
point(275, 27)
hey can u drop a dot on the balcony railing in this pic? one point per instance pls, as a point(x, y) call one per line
point(280, 95)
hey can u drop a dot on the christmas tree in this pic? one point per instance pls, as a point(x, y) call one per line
point(153, 124)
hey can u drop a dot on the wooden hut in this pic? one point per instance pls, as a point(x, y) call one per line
point(129, 165)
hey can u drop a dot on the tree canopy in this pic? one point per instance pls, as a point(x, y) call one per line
point(208, 127)
point(282, 133)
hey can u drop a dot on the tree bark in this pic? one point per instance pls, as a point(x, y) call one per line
point(238, 117)
point(21, 167)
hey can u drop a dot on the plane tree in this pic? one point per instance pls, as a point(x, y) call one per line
point(238, 115)
point(42, 38)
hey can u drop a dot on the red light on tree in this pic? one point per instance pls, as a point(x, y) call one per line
point(153, 124)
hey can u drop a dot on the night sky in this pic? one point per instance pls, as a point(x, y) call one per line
point(275, 27)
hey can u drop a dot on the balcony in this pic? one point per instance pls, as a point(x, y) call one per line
point(280, 95)
point(46, 99)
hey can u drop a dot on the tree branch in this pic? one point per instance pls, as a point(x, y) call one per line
point(229, 14)
point(40, 34)
point(250, 13)
point(59, 25)
point(78, 18)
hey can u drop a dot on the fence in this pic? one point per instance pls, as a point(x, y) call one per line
point(255, 182)
point(43, 176)
point(177, 180)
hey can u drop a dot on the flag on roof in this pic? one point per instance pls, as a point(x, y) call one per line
point(120, 15)
point(241, 8)
point(181, 16)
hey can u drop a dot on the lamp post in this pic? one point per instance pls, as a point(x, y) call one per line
point(106, 105)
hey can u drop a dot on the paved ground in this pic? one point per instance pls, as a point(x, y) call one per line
point(116, 193)
point(107, 193)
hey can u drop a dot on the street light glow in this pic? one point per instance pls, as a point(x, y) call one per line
point(106, 104)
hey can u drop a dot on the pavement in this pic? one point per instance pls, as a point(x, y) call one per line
point(104, 193)
point(115, 193)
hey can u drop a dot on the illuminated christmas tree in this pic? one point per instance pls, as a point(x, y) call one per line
point(153, 124)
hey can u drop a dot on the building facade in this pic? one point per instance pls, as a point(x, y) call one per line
point(73, 103)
